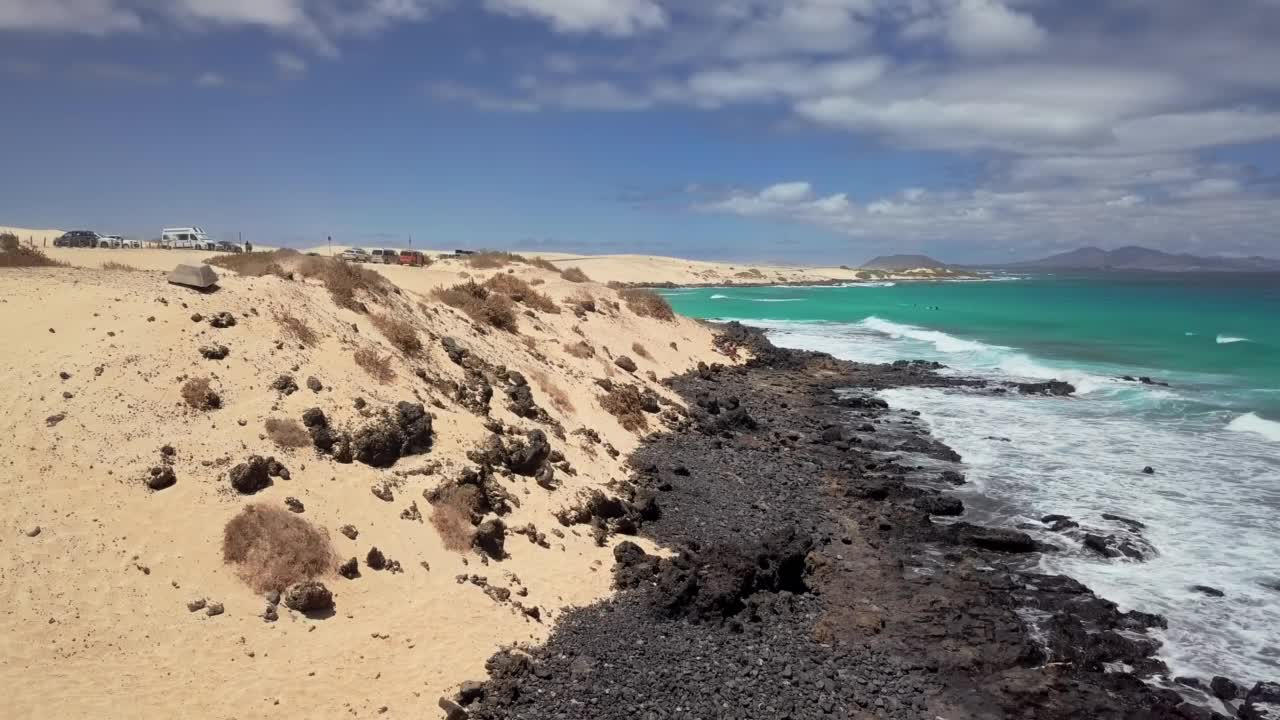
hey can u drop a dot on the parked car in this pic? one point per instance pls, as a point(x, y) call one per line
point(412, 258)
point(230, 247)
point(129, 243)
point(110, 241)
point(185, 238)
point(388, 257)
point(77, 238)
point(354, 254)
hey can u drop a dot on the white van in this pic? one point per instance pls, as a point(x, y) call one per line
point(186, 238)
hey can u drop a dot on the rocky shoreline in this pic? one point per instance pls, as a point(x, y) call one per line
point(817, 574)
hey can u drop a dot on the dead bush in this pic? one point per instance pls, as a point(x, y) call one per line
point(482, 306)
point(574, 274)
point(253, 264)
point(580, 350)
point(121, 267)
point(556, 394)
point(640, 350)
point(647, 303)
point(296, 328)
point(624, 402)
point(197, 393)
point(274, 548)
point(344, 280)
point(8, 242)
point(522, 292)
point(378, 366)
point(400, 332)
point(20, 256)
point(489, 260)
point(451, 516)
point(287, 432)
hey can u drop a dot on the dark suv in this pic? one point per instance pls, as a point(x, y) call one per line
point(77, 238)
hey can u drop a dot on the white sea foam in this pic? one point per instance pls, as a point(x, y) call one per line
point(1208, 508)
point(941, 341)
point(777, 300)
point(1229, 339)
point(1252, 423)
point(718, 297)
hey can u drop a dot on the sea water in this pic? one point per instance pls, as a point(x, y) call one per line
point(1212, 507)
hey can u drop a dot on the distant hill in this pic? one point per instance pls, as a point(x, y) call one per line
point(899, 263)
point(1140, 258)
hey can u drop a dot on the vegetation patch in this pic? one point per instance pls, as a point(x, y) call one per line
point(274, 548)
point(640, 350)
point(254, 264)
point(580, 350)
point(574, 274)
point(377, 365)
point(451, 516)
point(522, 292)
point(14, 255)
point(489, 260)
point(481, 305)
point(121, 267)
point(287, 433)
point(400, 332)
point(555, 394)
point(625, 403)
point(296, 328)
point(345, 281)
point(647, 303)
point(197, 393)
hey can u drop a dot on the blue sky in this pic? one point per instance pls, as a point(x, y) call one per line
point(814, 130)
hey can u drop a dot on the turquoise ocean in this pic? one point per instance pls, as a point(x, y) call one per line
point(1212, 509)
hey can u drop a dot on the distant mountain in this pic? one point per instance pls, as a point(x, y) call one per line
point(899, 263)
point(1140, 258)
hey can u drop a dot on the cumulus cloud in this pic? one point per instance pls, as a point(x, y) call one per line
point(91, 17)
point(611, 17)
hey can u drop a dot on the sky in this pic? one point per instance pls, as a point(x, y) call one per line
point(787, 130)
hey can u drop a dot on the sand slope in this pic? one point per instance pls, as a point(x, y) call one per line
point(93, 613)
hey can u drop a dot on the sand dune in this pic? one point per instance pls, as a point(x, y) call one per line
point(95, 615)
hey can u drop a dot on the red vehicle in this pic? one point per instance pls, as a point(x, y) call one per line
point(412, 258)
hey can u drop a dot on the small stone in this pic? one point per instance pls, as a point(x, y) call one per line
point(270, 614)
point(375, 559)
point(313, 384)
point(1148, 470)
point(64, 375)
point(197, 317)
point(349, 569)
point(308, 596)
point(294, 504)
point(382, 491)
point(33, 531)
point(273, 597)
point(197, 604)
point(214, 609)
point(350, 531)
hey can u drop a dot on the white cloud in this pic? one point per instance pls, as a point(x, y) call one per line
point(786, 192)
point(288, 64)
point(988, 27)
point(211, 80)
point(1209, 188)
point(804, 26)
point(610, 17)
point(91, 17)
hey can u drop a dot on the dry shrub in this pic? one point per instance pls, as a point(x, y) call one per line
point(296, 328)
point(122, 267)
point(580, 350)
point(8, 242)
point(482, 306)
point(198, 394)
point(640, 350)
point(583, 302)
point(254, 264)
point(556, 394)
point(378, 366)
point(624, 403)
point(400, 332)
point(537, 281)
point(451, 516)
point(16, 256)
point(275, 548)
point(574, 274)
point(287, 433)
point(490, 259)
point(647, 303)
point(345, 280)
point(520, 291)
point(752, 273)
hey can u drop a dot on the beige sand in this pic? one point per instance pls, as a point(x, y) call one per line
point(93, 609)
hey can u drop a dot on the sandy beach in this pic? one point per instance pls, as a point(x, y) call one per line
point(95, 364)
